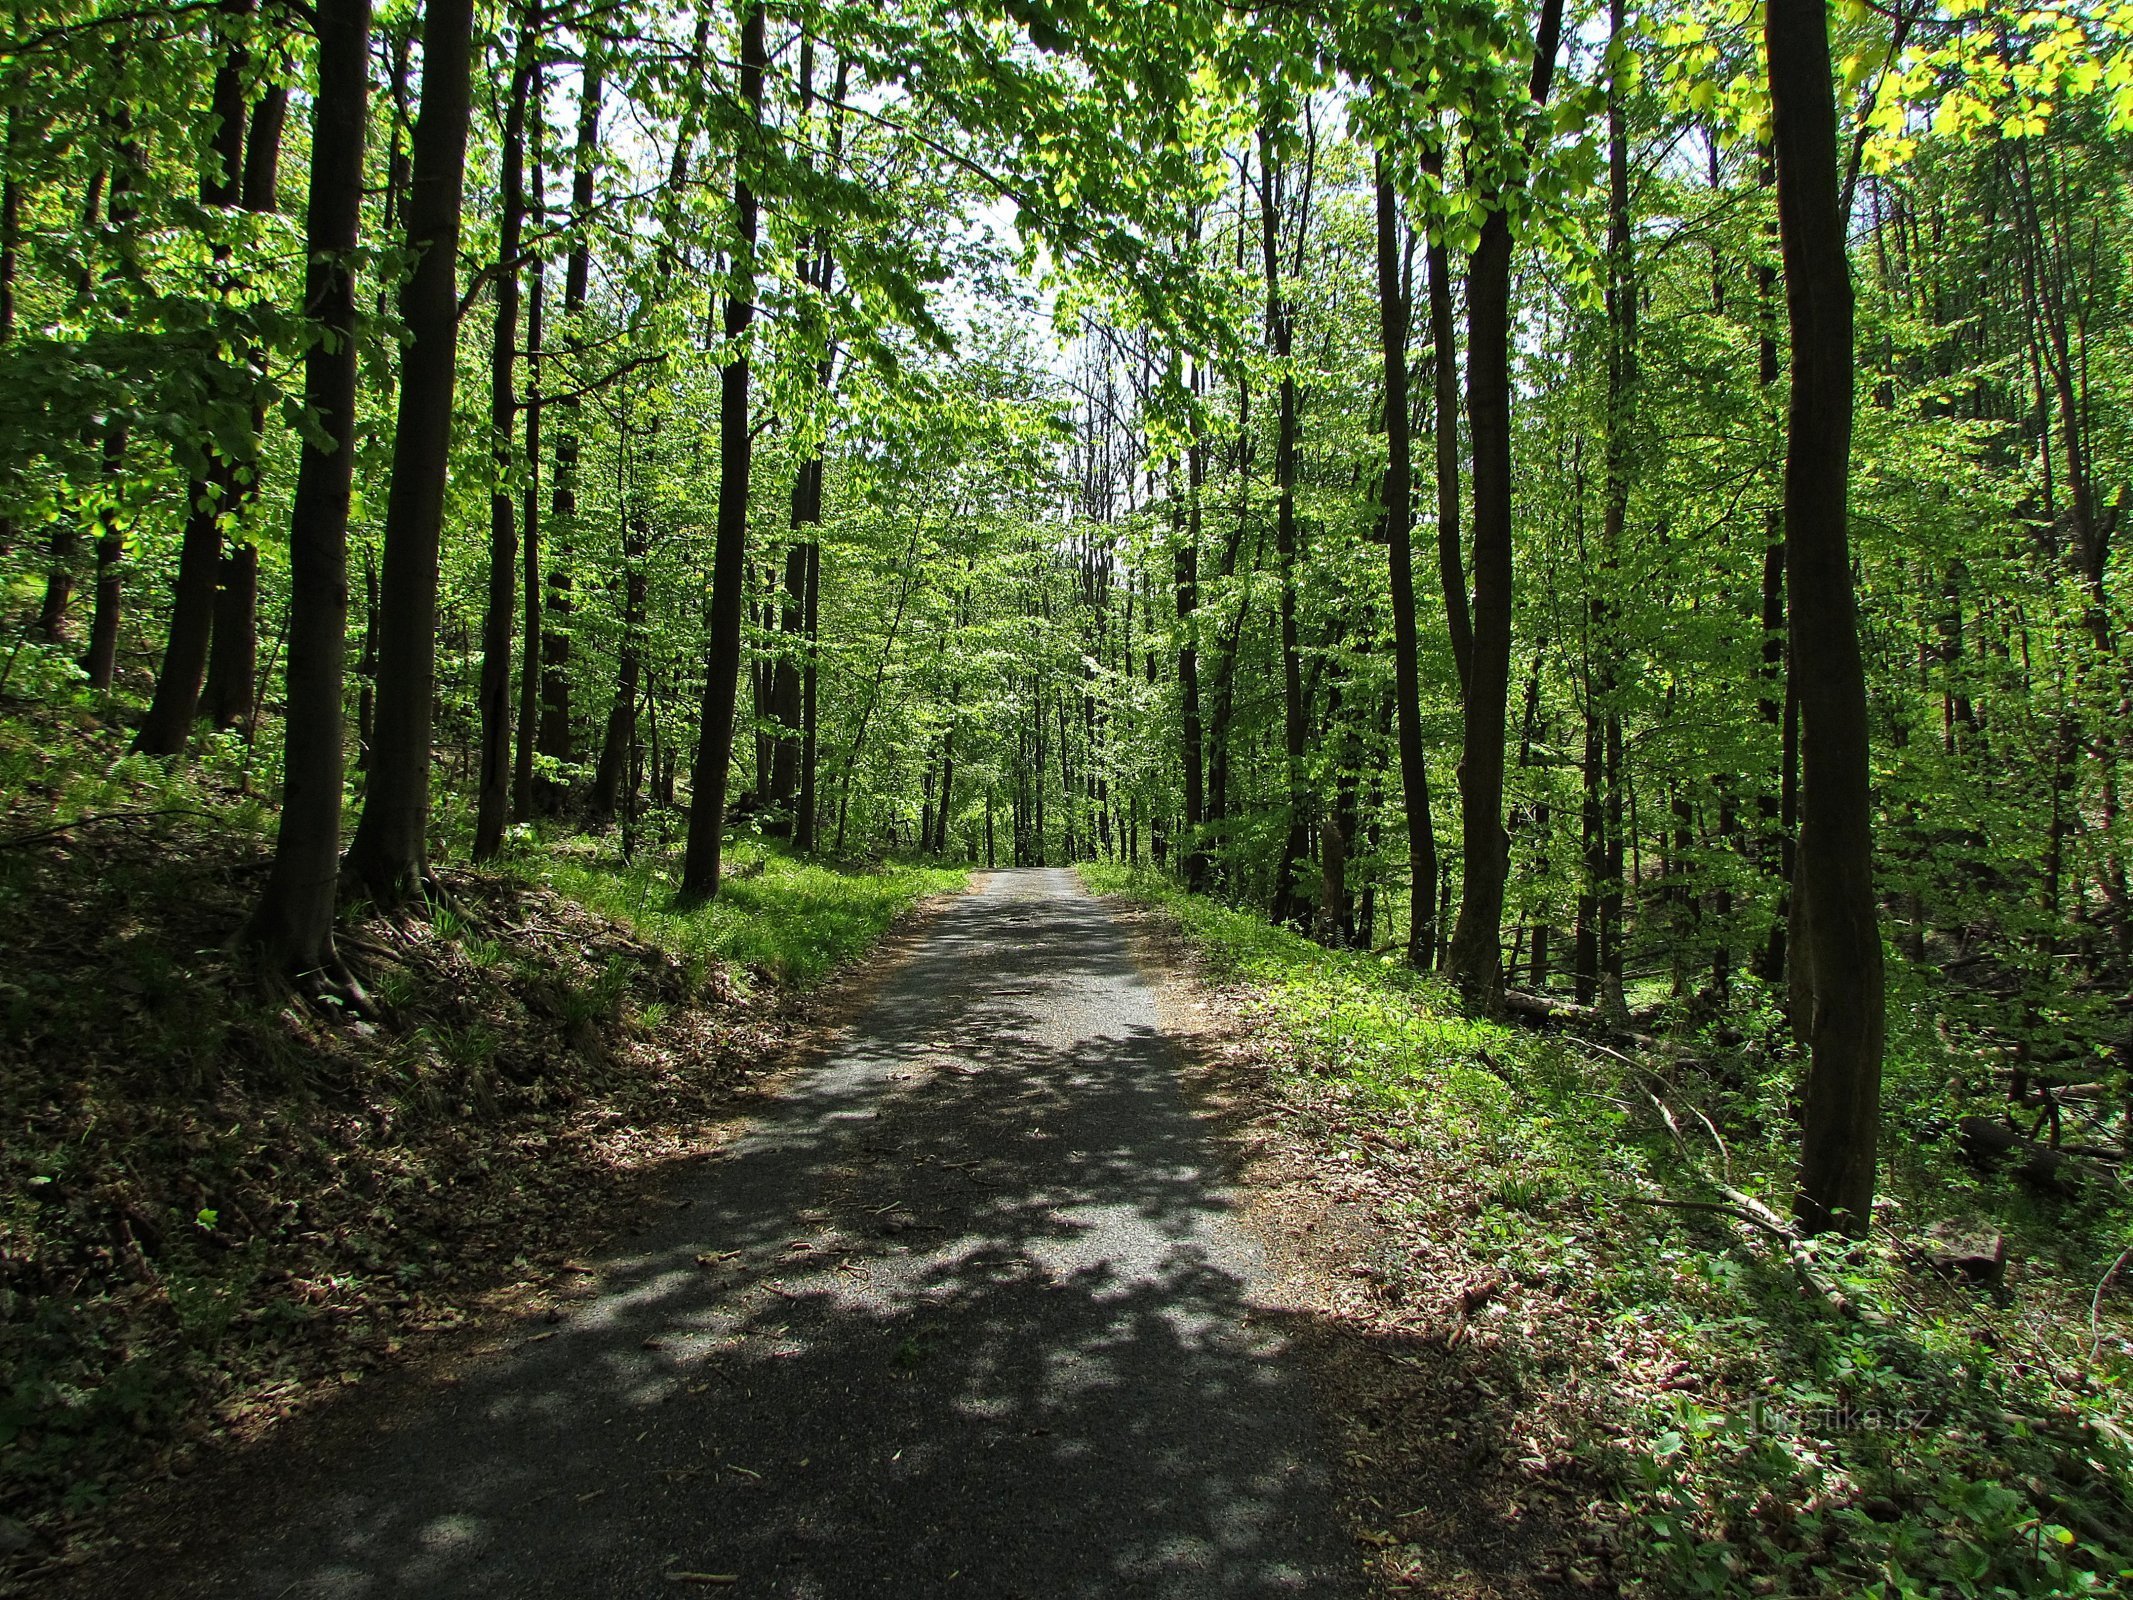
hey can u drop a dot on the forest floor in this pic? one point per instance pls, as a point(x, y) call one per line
point(1568, 1346)
point(969, 1304)
point(607, 1258)
point(219, 1210)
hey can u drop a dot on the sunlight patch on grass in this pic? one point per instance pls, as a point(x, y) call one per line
point(1949, 1443)
point(792, 920)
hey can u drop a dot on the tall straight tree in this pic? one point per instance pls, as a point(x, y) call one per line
point(555, 741)
point(529, 650)
point(1600, 952)
point(389, 855)
point(493, 796)
point(109, 594)
point(729, 561)
point(1476, 957)
point(291, 929)
point(1290, 902)
point(169, 722)
point(1836, 948)
point(1186, 578)
point(232, 686)
point(1398, 513)
point(1444, 378)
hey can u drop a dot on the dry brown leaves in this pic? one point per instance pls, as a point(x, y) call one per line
point(248, 1207)
point(1469, 1409)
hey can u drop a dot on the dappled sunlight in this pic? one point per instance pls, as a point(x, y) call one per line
point(967, 1305)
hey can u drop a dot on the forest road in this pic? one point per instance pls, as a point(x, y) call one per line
point(966, 1312)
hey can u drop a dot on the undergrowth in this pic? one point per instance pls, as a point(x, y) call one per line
point(788, 919)
point(1750, 1437)
point(215, 1207)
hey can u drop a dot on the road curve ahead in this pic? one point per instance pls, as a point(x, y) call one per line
point(963, 1314)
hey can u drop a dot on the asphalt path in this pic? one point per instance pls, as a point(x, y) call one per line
point(965, 1312)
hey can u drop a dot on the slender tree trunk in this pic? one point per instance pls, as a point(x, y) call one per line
point(233, 661)
point(1187, 578)
point(529, 649)
point(1476, 954)
point(1841, 951)
point(940, 821)
point(108, 596)
point(367, 667)
point(785, 672)
point(1617, 471)
point(389, 855)
point(231, 694)
point(493, 793)
point(1290, 904)
point(729, 562)
point(1397, 513)
point(1779, 710)
point(621, 735)
point(291, 929)
point(1444, 364)
point(556, 737)
point(804, 826)
point(169, 721)
point(10, 264)
point(792, 787)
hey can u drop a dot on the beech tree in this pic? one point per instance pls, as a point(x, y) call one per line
point(389, 855)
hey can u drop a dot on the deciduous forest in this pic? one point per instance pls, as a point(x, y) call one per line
point(1568, 553)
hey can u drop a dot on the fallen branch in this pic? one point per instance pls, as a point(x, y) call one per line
point(2096, 1302)
point(1985, 1143)
point(89, 818)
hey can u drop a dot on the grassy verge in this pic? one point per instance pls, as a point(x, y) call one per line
point(1741, 1436)
point(776, 916)
point(215, 1208)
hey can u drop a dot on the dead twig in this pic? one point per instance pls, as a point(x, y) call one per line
point(2096, 1302)
point(93, 817)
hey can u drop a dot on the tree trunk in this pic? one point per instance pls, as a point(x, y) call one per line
point(169, 721)
point(785, 672)
point(109, 592)
point(389, 856)
point(1621, 301)
point(1444, 361)
point(493, 794)
point(1841, 950)
point(556, 741)
point(232, 690)
point(1290, 903)
point(804, 827)
point(291, 929)
point(729, 562)
point(1187, 578)
point(233, 662)
point(1476, 953)
point(108, 597)
point(1397, 512)
point(529, 648)
point(621, 735)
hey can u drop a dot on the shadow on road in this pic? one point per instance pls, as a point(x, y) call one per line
point(965, 1311)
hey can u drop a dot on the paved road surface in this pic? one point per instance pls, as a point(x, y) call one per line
point(974, 1324)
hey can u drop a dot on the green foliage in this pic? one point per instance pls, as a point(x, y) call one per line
point(784, 919)
point(1815, 1455)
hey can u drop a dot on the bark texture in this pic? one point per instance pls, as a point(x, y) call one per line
point(1837, 955)
point(389, 856)
point(291, 929)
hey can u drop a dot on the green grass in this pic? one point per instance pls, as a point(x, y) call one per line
point(792, 920)
point(1945, 1444)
